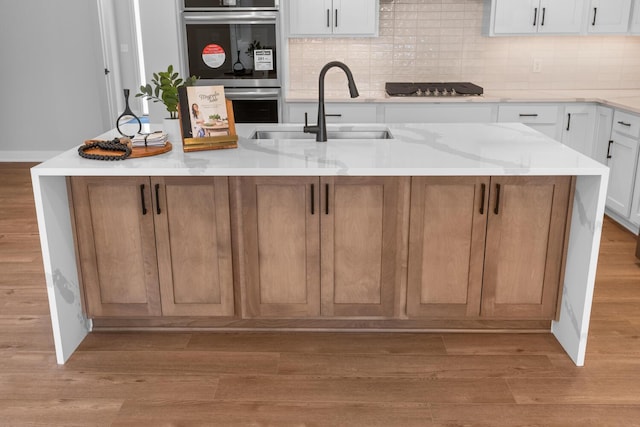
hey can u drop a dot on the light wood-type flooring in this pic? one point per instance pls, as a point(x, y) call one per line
point(309, 379)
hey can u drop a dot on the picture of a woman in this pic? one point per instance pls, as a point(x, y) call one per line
point(197, 121)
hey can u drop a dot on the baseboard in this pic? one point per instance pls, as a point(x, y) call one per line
point(27, 155)
point(622, 221)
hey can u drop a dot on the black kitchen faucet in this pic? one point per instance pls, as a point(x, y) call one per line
point(320, 129)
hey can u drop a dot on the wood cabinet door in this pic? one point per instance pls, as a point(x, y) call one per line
point(446, 246)
point(362, 246)
point(524, 246)
point(280, 221)
point(193, 237)
point(116, 246)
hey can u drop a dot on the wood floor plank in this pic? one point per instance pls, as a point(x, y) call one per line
point(415, 366)
point(26, 333)
point(341, 343)
point(59, 412)
point(174, 362)
point(118, 341)
point(135, 413)
point(578, 390)
point(491, 415)
point(338, 389)
point(513, 344)
point(73, 385)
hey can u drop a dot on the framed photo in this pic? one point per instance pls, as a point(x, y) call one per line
point(206, 118)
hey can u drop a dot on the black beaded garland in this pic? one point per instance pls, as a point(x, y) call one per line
point(113, 145)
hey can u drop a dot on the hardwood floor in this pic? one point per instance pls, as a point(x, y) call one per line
point(309, 379)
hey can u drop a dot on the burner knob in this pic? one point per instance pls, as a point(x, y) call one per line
point(419, 92)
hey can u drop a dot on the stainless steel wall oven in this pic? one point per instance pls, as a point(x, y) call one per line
point(235, 43)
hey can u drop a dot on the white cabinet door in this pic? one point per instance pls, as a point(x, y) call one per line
point(604, 120)
point(609, 16)
point(538, 16)
point(543, 118)
point(335, 112)
point(310, 17)
point(516, 16)
point(579, 125)
point(355, 17)
point(623, 153)
point(438, 113)
point(337, 17)
point(635, 18)
point(560, 16)
point(634, 217)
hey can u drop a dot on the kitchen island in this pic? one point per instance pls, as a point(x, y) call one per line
point(417, 150)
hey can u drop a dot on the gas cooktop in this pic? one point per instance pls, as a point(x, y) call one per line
point(433, 89)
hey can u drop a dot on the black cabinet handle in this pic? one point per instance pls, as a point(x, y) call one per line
point(496, 209)
point(313, 199)
point(144, 206)
point(595, 13)
point(535, 16)
point(335, 23)
point(158, 199)
point(483, 190)
point(609, 149)
point(328, 18)
point(544, 11)
point(333, 115)
point(326, 199)
point(528, 115)
point(568, 121)
point(624, 124)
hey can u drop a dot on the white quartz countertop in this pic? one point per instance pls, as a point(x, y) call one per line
point(417, 149)
point(628, 99)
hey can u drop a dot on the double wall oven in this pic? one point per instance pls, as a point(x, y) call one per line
point(235, 43)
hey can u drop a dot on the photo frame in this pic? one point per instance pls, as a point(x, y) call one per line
point(206, 119)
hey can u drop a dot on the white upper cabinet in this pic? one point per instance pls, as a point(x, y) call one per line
point(635, 18)
point(333, 18)
point(536, 16)
point(609, 16)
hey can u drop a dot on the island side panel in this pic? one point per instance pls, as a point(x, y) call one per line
point(580, 272)
point(69, 323)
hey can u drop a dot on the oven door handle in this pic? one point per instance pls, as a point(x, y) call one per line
point(230, 17)
point(250, 94)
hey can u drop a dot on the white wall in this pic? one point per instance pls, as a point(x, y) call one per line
point(52, 77)
point(159, 27)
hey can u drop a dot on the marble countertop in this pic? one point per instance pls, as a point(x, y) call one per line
point(417, 149)
point(628, 99)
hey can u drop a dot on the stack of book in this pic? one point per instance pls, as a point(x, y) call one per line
point(155, 139)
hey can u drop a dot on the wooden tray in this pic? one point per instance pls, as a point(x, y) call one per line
point(135, 152)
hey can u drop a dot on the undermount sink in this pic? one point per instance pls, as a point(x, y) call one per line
point(331, 134)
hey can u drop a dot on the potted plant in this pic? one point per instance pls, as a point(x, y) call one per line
point(165, 90)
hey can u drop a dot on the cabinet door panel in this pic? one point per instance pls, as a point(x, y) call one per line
point(446, 246)
point(310, 17)
point(622, 164)
point(524, 247)
point(193, 235)
point(116, 246)
point(282, 245)
point(360, 244)
point(561, 16)
point(355, 17)
point(609, 16)
point(516, 16)
point(579, 128)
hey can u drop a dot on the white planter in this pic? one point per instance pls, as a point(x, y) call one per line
point(172, 128)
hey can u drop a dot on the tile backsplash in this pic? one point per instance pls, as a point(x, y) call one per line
point(441, 40)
